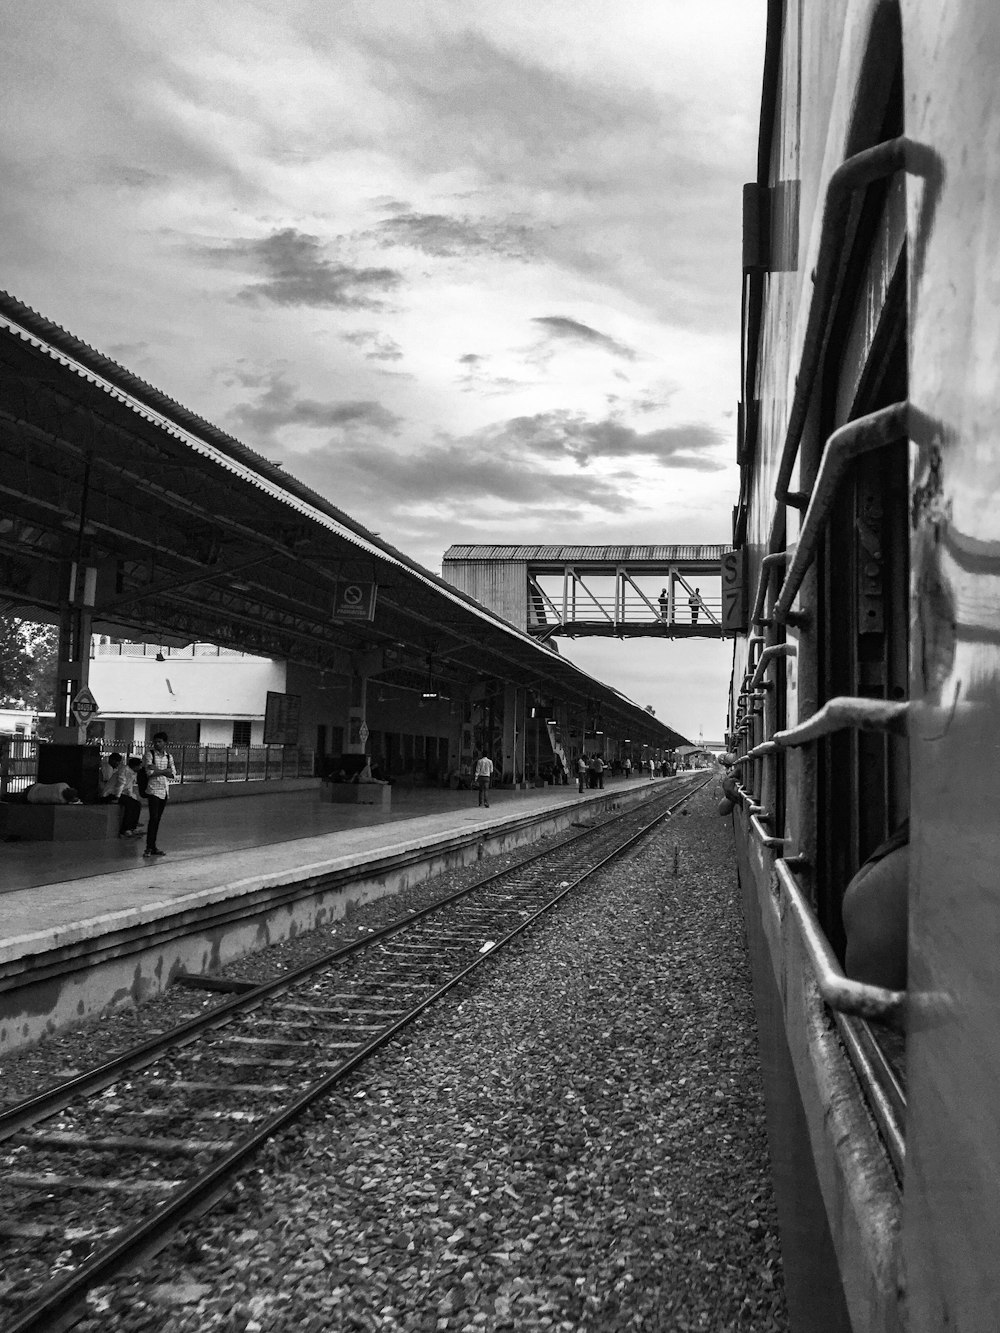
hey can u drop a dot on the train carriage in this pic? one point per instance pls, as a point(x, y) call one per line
point(864, 693)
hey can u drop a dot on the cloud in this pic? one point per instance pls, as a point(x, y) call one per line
point(571, 330)
point(477, 102)
point(443, 236)
point(478, 378)
point(126, 353)
point(571, 435)
point(278, 408)
point(296, 272)
point(451, 475)
point(374, 345)
point(525, 465)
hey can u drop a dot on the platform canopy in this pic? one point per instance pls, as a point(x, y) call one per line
point(184, 534)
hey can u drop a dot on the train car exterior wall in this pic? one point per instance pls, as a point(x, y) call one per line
point(952, 1199)
point(879, 1234)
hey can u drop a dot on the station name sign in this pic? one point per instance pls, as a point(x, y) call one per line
point(734, 592)
point(354, 601)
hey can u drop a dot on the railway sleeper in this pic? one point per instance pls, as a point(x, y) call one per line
point(114, 1142)
point(48, 1180)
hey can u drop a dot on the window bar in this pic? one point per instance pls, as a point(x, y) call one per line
point(762, 834)
point(768, 656)
point(841, 713)
point(868, 433)
point(856, 173)
point(837, 990)
point(883, 1090)
point(767, 567)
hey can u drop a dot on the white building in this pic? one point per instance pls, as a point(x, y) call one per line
point(199, 695)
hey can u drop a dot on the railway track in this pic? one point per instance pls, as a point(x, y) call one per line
point(100, 1169)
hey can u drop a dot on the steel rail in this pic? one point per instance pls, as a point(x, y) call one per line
point(60, 1307)
point(15, 1118)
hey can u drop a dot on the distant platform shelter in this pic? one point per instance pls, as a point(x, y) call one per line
point(609, 591)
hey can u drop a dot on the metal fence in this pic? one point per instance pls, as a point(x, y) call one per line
point(18, 763)
point(194, 763)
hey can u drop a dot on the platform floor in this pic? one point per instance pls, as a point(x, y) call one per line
point(53, 892)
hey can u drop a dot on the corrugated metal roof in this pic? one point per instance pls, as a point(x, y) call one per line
point(596, 555)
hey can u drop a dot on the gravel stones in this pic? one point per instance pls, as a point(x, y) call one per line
point(573, 1140)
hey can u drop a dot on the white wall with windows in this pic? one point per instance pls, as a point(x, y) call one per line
point(197, 695)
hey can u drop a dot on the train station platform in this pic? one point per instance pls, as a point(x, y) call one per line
point(88, 924)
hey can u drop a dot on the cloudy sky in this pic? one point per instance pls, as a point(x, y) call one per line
point(470, 269)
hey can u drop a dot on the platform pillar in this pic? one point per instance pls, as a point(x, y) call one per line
point(356, 739)
point(73, 670)
point(513, 731)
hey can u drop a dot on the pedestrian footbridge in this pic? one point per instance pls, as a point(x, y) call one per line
point(610, 591)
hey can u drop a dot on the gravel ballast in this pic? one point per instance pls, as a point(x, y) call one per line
point(573, 1140)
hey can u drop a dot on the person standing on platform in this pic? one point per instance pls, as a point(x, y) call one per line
point(126, 778)
point(581, 772)
point(160, 772)
point(695, 603)
point(664, 602)
point(628, 767)
point(483, 773)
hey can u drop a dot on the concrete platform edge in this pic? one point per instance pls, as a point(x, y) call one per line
point(122, 958)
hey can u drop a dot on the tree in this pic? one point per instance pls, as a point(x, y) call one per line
point(27, 664)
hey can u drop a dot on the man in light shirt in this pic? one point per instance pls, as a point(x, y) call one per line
point(483, 773)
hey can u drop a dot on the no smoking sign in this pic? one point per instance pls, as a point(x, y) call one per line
point(354, 601)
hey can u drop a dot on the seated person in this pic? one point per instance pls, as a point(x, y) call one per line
point(107, 786)
point(876, 916)
point(52, 793)
point(730, 788)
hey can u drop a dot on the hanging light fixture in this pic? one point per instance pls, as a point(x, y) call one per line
point(430, 690)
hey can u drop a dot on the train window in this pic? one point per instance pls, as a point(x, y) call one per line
point(864, 571)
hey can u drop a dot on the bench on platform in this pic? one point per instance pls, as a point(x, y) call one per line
point(60, 823)
point(356, 793)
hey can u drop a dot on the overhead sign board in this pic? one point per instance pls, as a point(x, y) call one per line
point(281, 718)
point(354, 601)
point(84, 705)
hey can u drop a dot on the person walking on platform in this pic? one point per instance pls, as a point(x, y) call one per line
point(160, 772)
point(581, 772)
point(126, 778)
point(483, 773)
